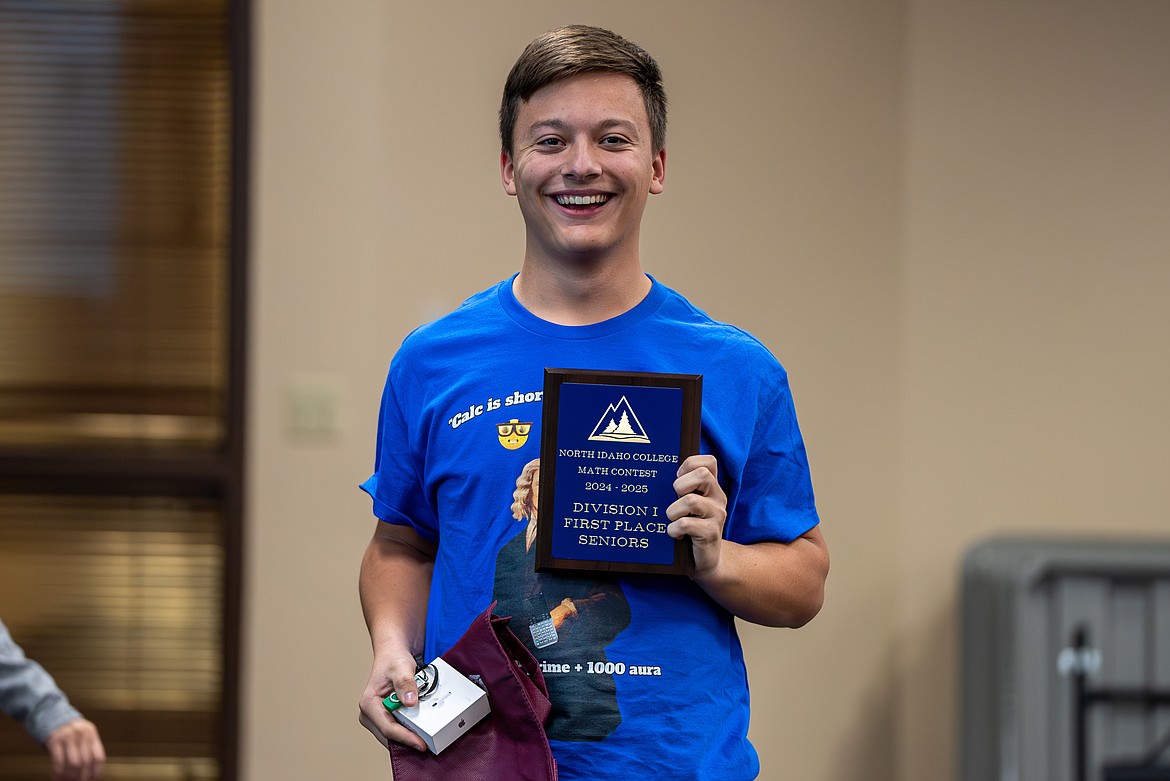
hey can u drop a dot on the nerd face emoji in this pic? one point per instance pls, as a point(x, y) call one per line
point(513, 434)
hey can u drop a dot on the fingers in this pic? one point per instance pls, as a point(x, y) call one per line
point(372, 715)
point(76, 752)
point(393, 675)
point(401, 676)
point(700, 510)
point(387, 730)
point(699, 494)
point(700, 467)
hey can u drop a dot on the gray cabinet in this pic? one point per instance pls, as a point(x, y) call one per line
point(1024, 603)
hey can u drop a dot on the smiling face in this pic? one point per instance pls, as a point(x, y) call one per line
point(581, 167)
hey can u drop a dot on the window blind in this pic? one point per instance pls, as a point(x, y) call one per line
point(114, 185)
point(119, 599)
point(121, 355)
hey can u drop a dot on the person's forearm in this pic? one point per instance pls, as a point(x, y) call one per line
point(770, 583)
point(28, 693)
point(394, 585)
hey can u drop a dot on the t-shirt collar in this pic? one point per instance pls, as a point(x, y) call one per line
point(515, 310)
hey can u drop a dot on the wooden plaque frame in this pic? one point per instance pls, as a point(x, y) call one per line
point(636, 455)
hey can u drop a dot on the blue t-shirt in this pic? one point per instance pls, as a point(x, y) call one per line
point(646, 673)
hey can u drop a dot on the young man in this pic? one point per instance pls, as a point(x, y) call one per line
point(583, 124)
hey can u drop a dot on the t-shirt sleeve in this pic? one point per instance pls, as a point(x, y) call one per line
point(774, 499)
point(397, 486)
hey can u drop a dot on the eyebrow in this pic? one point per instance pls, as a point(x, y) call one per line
point(559, 124)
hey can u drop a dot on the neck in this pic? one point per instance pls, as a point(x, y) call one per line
point(581, 295)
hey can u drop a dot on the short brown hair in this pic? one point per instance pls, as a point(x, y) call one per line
point(569, 51)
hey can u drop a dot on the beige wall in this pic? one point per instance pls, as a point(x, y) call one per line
point(949, 220)
point(1035, 331)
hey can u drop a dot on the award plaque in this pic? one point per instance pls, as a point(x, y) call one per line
point(611, 444)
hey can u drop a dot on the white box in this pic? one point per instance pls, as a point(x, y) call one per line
point(455, 706)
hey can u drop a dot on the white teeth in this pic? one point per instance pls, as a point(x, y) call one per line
point(581, 200)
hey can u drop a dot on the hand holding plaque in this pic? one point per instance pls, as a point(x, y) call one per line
point(611, 445)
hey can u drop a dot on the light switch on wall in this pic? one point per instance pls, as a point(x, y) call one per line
point(314, 409)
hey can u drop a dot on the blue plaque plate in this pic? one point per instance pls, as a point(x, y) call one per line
point(610, 450)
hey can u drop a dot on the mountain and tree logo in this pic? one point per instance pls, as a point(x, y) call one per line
point(619, 423)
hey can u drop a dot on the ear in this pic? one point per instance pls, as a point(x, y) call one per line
point(658, 177)
point(507, 173)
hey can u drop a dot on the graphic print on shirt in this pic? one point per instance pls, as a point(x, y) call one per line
point(566, 621)
point(513, 434)
point(491, 404)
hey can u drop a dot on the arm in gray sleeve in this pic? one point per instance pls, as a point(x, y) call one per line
point(28, 693)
